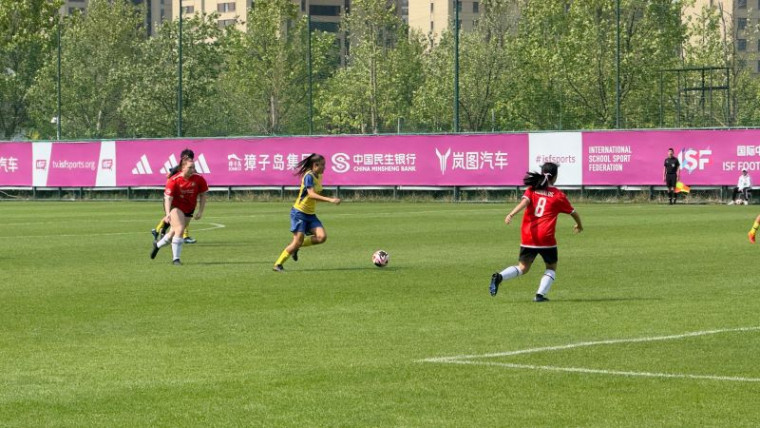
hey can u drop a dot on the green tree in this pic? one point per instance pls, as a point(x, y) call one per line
point(27, 33)
point(150, 106)
point(383, 70)
point(98, 49)
point(266, 78)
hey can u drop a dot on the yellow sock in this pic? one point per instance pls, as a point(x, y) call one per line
point(284, 256)
point(755, 226)
point(307, 242)
point(186, 233)
point(160, 225)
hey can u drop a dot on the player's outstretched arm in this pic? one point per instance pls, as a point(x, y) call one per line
point(519, 207)
point(578, 228)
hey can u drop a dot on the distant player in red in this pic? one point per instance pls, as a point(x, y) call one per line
point(184, 190)
point(542, 203)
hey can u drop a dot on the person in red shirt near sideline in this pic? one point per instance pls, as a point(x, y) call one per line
point(184, 190)
point(542, 203)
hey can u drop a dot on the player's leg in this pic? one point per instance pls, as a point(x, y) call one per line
point(295, 244)
point(753, 231)
point(178, 223)
point(527, 255)
point(165, 239)
point(550, 274)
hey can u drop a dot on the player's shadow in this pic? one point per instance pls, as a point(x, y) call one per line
point(348, 269)
point(227, 262)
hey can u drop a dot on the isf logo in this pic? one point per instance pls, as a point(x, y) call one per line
point(692, 159)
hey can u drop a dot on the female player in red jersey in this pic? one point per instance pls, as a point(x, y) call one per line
point(184, 190)
point(543, 203)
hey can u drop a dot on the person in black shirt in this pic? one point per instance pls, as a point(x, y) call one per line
point(671, 174)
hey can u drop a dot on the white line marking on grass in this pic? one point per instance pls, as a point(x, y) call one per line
point(469, 359)
point(69, 235)
point(607, 372)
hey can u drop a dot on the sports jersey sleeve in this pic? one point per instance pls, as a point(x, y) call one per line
point(202, 185)
point(308, 181)
point(528, 193)
point(563, 204)
point(171, 188)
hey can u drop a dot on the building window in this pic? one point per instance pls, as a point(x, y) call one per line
point(303, 5)
point(741, 4)
point(225, 7)
point(328, 27)
point(324, 10)
point(432, 4)
point(741, 45)
point(758, 66)
point(459, 6)
point(188, 9)
point(431, 26)
point(226, 22)
point(475, 7)
point(742, 23)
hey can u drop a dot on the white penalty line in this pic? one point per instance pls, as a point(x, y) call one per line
point(469, 359)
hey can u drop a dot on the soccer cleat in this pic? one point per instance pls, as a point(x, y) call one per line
point(278, 268)
point(540, 298)
point(190, 240)
point(155, 234)
point(751, 236)
point(294, 256)
point(154, 251)
point(176, 262)
point(496, 279)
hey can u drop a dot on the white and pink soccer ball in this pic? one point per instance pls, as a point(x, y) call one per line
point(380, 258)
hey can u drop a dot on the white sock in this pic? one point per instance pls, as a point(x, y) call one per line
point(176, 247)
point(163, 242)
point(510, 272)
point(546, 282)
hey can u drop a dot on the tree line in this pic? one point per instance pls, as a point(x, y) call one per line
point(527, 65)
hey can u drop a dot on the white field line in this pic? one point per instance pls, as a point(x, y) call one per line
point(469, 359)
point(607, 372)
point(212, 227)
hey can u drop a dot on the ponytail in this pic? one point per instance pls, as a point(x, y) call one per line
point(307, 163)
point(542, 180)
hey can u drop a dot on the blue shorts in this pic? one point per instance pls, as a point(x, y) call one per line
point(302, 222)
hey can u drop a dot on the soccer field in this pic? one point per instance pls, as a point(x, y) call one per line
point(653, 319)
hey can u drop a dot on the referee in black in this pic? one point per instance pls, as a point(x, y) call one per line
point(671, 174)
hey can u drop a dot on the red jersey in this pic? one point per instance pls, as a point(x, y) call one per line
point(540, 218)
point(185, 191)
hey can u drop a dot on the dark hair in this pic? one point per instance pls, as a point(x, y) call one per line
point(187, 153)
point(542, 180)
point(670, 149)
point(307, 163)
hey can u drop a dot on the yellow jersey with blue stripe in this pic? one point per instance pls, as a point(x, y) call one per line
point(304, 203)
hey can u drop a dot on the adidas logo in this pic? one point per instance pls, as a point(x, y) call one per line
point(201, 167)
point(142, 167)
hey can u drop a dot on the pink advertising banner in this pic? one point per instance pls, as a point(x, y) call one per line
point(439, 160)
point(605, 158)
point(16, 164)
point(707, 157)
point(72, 164)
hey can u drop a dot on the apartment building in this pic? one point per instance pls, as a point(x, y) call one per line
point(156, 11)
point(742, 18)
point(433, 17)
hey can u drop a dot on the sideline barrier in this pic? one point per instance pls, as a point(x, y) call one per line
point(406, 162)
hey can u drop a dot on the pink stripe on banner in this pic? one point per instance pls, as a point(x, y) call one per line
point(441, 160)
point(73, 164)
point(16, 164)
point(708, 157)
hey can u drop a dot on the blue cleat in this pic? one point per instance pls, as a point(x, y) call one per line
point(176, 262)
point(495, 281)
point(540, 298)
point(190, 240)
point(278, 268)
point(155, 234)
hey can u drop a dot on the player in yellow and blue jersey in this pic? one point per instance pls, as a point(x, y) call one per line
point(303, 217)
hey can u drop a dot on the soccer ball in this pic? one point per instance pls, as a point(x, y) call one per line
point(380, 258)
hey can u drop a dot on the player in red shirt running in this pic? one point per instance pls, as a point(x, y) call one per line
point(543, 203)
point(184, 190)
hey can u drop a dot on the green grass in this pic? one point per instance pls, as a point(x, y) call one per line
point(94, 333)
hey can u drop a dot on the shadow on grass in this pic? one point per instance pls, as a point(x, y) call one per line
point(606, 299)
